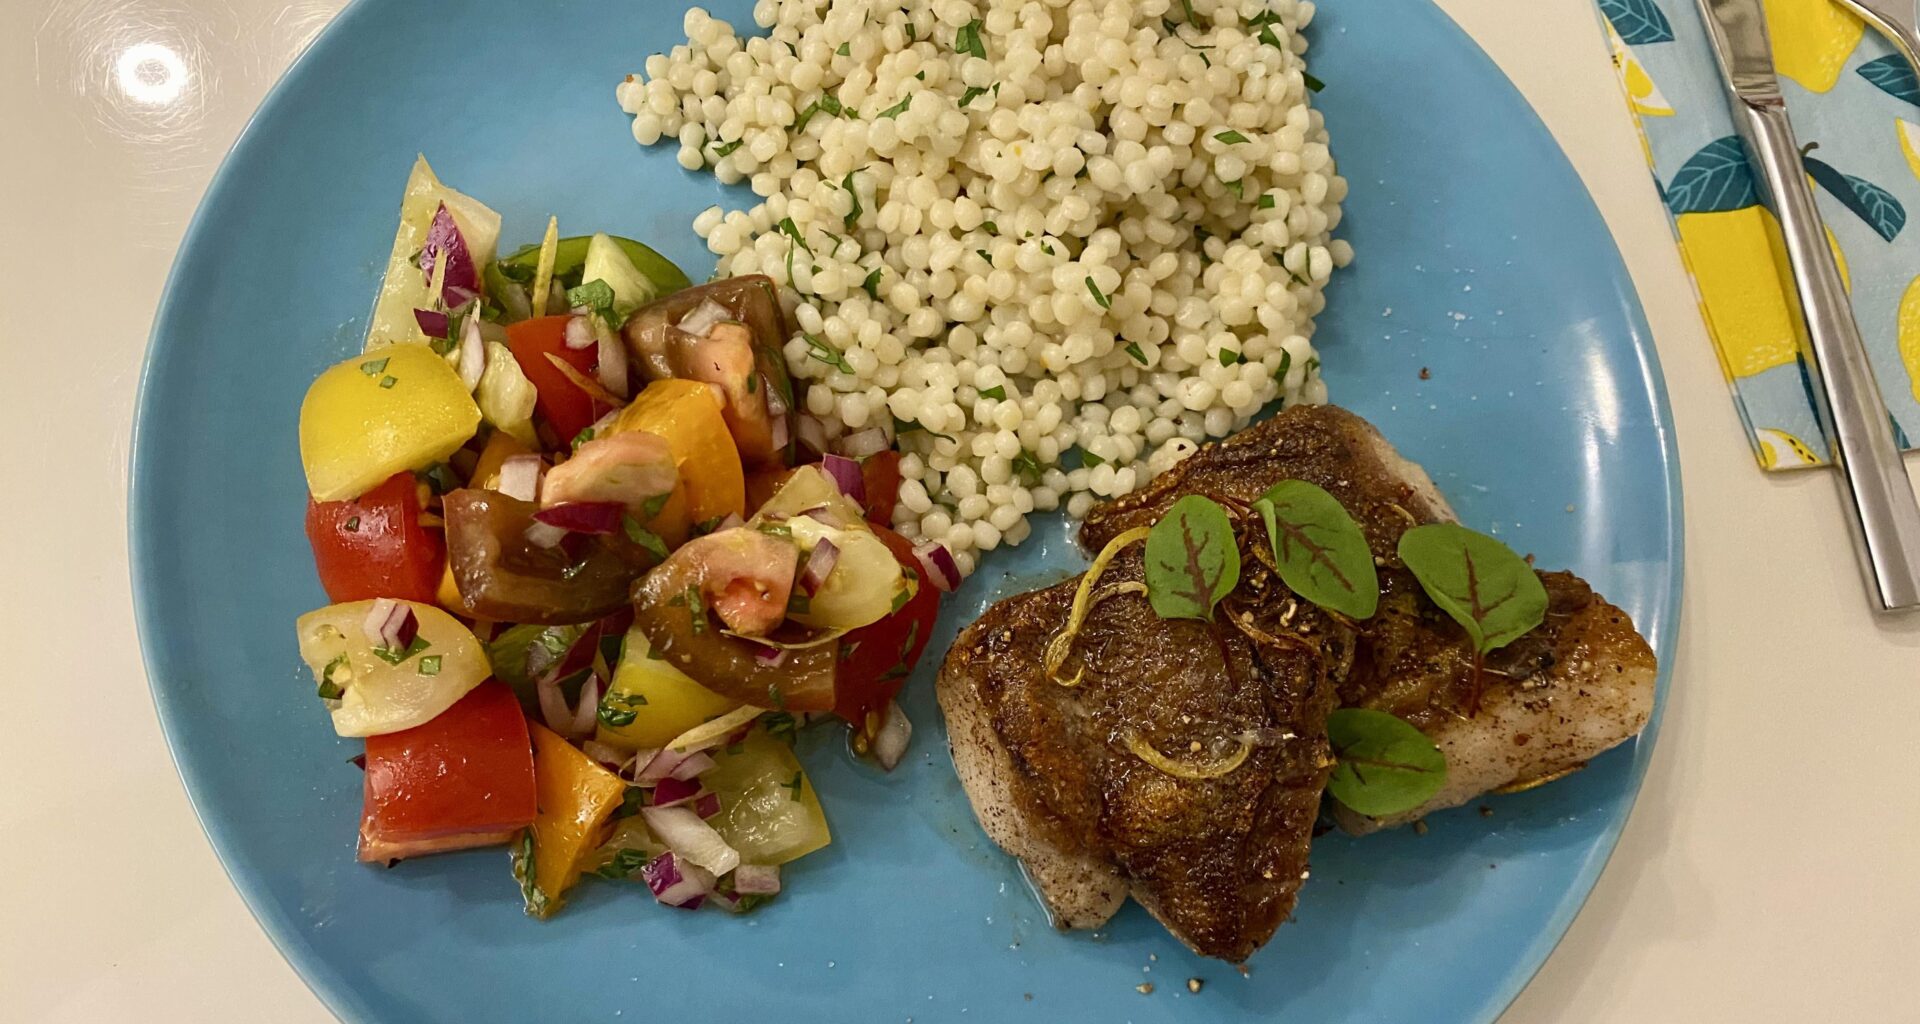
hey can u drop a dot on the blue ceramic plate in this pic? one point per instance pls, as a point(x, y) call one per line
point(1481, 260)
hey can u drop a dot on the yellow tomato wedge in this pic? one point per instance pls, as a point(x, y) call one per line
point(379, 690)
point(768, 810)
point(687, 414)
point(405, 288)
point(577, 796)
point(374, 415)
point(653, 700)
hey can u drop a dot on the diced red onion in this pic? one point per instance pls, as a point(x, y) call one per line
point(732, 522)
point(813, 433)
point(595, 517)
point(666, 764)
point(890, 744)
point(776, 405)
point(580, 333)
point(768, 655)
point(707, 806)
point(781, 431)
point(677, 883)
point(433, 323)
point(612, 368)
point(462, 280)
point(756, 879)
point(819, 566)
point(672, 792)
point(691, 768)
point(704, 318)
point(545, 535)
point(860, 444)
point(520, 478)
point(693, 839)
point(391, 624)
point(632, 767)
point(937, 565)
point(473, 353)
point(845, 474)
point(553, 704)
point(586, 709)
point(609, 757)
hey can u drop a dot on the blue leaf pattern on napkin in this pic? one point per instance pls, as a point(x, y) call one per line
point(1715, 179)
point(1873, 204)
point(1638, 21)
point(1893, 76)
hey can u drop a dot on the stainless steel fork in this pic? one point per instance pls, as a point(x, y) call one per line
point(1895, 19)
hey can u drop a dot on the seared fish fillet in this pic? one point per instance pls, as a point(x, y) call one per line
point(1578, 685)
point(1058, 777)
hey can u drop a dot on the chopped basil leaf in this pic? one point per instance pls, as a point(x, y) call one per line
point(827, 354)
point(644, 537)
point(872, 284)
point(1266, 201)
point(973, 92)
point(985, 255)
point(1229, 357)
point(624, 863)
point(389, 381)
point(1286, 366)
point(631, 802)
point(853, 215)
point(374, 367)
point(1134, 350)
point(998, 393)
point(430, 665)
point(1238, 190)
point(1028, 467)
point(991, 228)
point(706, 526)
point(395, 657)
point(799, 603)
point(1046, 248)
point(1102, 300)
point(1231, 138)
point(617, 711)
point(1267, 37)
point(585, 435)
point(1313, 84)
point(1090, 460)
point(794, 784)
point(697, 608)
point(597, 296)
point(845, 50)
point(792, 230)
point(967, 40)
point(353, 524)
point(727, 148)
point(781, 725)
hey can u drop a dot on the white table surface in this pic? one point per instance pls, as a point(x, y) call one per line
point(1768, 872)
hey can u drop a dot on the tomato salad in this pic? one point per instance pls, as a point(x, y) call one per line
point(587, 580)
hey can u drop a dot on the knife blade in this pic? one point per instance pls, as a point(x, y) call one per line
point(1846, 397)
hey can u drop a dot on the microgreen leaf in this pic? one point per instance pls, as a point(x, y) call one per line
point(1192, 561)
point(1384, 765)
point(1488, 589)
point(1319, 549)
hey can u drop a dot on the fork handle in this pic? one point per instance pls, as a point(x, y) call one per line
point(1847, 399)
point(1903, 29)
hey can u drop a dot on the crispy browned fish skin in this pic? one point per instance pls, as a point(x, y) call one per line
point(1562, 694)
point(1051, 777)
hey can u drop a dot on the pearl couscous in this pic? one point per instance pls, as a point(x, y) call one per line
point(1021, 235)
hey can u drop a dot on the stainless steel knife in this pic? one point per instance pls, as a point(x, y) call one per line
point(1846, 398)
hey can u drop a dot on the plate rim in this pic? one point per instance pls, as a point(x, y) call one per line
point(340, 998)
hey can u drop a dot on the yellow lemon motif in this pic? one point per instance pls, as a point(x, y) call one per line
point(1909, 143)
point(1910, 335)
point(1812, 40)
point(1739, 260)
point(1642, 94)
point(1781, 450)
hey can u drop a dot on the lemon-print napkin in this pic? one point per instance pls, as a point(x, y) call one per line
point(1856, 108)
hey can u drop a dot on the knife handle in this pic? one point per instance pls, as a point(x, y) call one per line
point(1846, 397)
